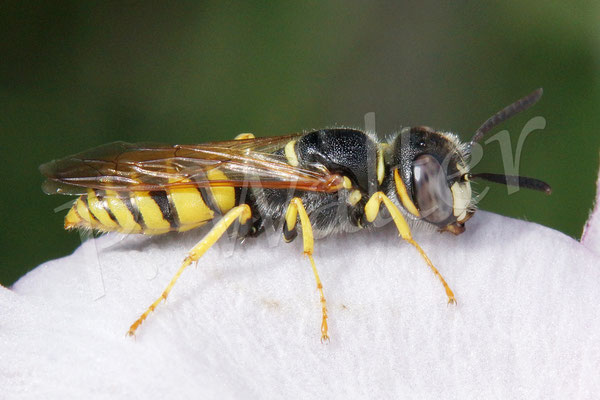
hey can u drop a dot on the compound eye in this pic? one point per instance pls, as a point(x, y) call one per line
point(432, 194)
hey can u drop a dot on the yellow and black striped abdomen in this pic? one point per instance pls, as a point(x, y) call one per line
point(151, 213)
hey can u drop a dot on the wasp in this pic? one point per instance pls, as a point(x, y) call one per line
point(323, 181)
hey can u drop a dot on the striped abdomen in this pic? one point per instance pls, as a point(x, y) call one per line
point(150, 213)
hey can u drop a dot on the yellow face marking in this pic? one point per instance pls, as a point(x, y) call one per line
point(97, 207)
point(403, 195)
point(290, 153)
point(461, 194)
point(121, 213)
point(243, 136)
point(380, 166)
point(354, 197)
point(153, 217)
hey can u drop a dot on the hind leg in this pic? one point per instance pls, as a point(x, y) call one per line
point(241, 213)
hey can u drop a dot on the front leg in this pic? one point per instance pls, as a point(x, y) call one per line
point(371, 211)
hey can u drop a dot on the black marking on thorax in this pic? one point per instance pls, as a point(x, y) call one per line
point(349, 152)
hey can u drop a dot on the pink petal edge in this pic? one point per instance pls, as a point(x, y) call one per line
point(590, 237)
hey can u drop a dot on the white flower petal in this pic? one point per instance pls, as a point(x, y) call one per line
point(246, 324)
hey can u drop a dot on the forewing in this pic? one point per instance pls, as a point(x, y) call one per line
point(124, 166)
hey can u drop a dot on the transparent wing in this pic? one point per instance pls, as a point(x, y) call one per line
point(124, 166)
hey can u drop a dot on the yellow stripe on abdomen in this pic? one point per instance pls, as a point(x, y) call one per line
point(122, 213)
point(98, 208)
point(152, 213)
point(83, 211)
point(190, 207)
point(154, 219)
point(224, 196)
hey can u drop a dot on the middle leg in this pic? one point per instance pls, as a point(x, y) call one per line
point(295, 209)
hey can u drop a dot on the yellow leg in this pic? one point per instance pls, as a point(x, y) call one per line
point(294, 209)
point(371, 211)
point(243, 136)
point(241, 212)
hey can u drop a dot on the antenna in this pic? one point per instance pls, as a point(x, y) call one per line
point(520, 181)
point(507, 112)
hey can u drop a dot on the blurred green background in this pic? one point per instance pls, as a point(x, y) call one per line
point(75, 75)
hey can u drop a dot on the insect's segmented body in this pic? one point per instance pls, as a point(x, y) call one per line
point(362, 162)
point(328, 180)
